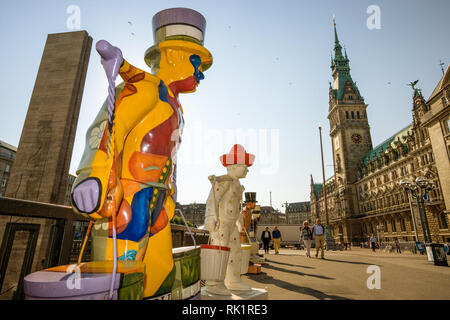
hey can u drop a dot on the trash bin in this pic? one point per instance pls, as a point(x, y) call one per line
point(436, 253)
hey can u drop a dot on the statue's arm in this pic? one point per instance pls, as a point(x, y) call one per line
point(97, 191)
point(219, 186)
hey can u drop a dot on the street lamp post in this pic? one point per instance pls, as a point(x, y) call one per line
point(413, 216)
point(419, 190)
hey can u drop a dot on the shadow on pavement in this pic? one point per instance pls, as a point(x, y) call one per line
point(266, 279)
point(289, 264)
point(268, 266)
point(351, 262)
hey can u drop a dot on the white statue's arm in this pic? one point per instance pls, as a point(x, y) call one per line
point(210, 213)
point(219, 187)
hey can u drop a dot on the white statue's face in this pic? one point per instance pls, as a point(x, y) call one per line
point(237, 170)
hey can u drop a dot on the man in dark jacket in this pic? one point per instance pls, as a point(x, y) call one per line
point(265, 238)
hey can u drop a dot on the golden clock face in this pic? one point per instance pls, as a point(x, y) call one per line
point(356, 138)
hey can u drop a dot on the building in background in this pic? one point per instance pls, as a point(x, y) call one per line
point(194, 212)
point(7, 156)
point(269, 215)
point(297, 212)
point(364, 197)
point(437, 121)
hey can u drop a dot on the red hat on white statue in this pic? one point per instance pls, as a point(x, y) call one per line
point(237, 155)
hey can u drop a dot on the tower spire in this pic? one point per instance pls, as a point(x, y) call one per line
point(340, 67)
point(337, 45)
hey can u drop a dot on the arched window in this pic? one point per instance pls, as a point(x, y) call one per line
point(346, 114)
point(353, 115)
point(358, 115)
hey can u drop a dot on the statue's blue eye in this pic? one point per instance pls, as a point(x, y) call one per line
point(196, 62)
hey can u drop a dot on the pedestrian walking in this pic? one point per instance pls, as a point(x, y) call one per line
point(306, 236)
point(265, 238)
point(373, 241)
point(397, 246)
point(276, 236)
point(319, 237)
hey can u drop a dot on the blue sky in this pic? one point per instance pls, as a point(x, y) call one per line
point(269, 78)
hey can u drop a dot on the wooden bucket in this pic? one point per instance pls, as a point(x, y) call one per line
point(246, 250)
point(214, 262)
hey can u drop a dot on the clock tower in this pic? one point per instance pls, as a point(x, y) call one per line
point(349, 128)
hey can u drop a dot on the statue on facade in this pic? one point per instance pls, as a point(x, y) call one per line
point(223, 217)
point(127, 175)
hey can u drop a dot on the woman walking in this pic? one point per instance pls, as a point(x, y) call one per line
point(306, 235)
point(265, 238)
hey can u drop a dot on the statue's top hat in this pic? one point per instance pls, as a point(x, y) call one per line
point(250, 197)
point(180, 24)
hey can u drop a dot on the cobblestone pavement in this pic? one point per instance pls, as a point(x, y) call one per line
point(291, 275)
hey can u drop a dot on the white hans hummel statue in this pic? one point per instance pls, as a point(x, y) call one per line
point(223, 217)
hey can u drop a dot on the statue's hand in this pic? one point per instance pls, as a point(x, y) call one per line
point(112, 59)
point(86, 196)
point(211, 223)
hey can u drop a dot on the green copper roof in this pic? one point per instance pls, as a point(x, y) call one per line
point(402, 134)
point(341, 63)
point(319, 186)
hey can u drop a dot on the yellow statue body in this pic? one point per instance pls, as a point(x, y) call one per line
point(130, 173)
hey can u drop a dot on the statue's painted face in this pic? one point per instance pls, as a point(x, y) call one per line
point(250, 205)
point(238, 170)
point(190, 83)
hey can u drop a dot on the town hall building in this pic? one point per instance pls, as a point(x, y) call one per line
point(364, 196)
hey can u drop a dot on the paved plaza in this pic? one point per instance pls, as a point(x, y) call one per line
point(291, 275)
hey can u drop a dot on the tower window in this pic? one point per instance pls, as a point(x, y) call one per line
point(402, 224)
point(394, 227)
point(346, 114)
point(443, 221)
point(353, 115)
point(357, 115)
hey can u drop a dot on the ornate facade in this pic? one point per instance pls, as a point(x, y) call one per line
point(364, 196)
point(297, 212)
point(269, 215)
